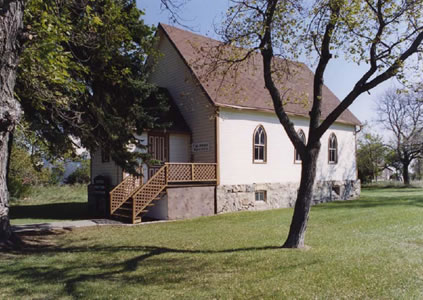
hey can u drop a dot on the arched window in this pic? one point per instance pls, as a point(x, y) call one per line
point(259, 145)
point(303, 138)
point(333, 149)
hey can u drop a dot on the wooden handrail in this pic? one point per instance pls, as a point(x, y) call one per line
point(192, 172)
point(149, 191)
point(122, 192)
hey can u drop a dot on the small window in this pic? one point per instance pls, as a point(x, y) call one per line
point(259, 145)
point(105, 156)
point(333, 149)
point(303, 138)
point(260, 195)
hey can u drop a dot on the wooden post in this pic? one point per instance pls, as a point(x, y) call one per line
point(192, 172)
point(133, 210)
point(167, 173)
point(217, 147)
point(110, 200)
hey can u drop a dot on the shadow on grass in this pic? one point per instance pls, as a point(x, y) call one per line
point(54, 211)
point(125, 265)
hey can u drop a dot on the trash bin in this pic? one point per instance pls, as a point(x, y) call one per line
point(98, 197)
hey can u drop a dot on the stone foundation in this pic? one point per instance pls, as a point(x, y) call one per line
point(242, 196)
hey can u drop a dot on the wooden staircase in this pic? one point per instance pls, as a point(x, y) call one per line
point(121, 194)
point(129, 200)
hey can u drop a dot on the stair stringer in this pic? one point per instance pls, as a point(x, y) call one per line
point(149, 191)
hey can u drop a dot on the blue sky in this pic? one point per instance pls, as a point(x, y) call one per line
point(201, 16)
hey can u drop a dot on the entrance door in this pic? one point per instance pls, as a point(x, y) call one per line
point(159, 151)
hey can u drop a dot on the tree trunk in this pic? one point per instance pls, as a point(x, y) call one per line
point(299, 221)
point(11, 24)
point(405, 174)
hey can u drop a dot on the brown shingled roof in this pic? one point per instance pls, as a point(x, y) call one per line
point(246, 90)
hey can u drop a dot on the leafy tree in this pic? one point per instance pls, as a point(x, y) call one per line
point(371, 156)
point(82, 79)
point(23, 174)
point(100, 94)
point(402, 115)
point(81, 174)
point(417, 168)
point(383, 34)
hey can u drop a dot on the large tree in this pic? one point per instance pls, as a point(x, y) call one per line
point(82, 79)
point(11, 24)
point(402, 115)
point(97, 89)
point(382, 34)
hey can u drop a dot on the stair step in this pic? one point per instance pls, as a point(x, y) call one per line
point(125, 208)
point(126, 219)
point(122, 215)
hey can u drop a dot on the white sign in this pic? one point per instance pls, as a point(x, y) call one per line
point(200, 147)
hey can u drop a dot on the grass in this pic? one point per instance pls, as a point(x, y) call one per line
point(392, 184)
point(50, 204)
point(370, 248)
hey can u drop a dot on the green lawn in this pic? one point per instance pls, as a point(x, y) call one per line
point(50, 204)
point(370, 248)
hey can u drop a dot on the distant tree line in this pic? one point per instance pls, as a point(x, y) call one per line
point(401, 114)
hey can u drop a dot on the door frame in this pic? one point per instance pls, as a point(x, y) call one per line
point(152, 169)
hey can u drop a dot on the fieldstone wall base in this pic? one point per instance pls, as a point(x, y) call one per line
point(278, 195)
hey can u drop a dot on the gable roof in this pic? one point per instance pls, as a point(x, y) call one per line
point(247, 90)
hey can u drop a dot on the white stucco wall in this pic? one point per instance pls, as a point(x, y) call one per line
point(236, 129)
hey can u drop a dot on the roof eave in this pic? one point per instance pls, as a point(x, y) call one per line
point(260, 109)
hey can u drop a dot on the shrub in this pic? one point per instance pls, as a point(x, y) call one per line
point(22, 174)
point(81, 174)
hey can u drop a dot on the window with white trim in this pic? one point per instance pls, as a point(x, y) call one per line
point(333, 149)
point(259, 145)
point(260, 196)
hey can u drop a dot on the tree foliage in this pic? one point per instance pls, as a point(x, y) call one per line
point(371, 156)
point(83, 78)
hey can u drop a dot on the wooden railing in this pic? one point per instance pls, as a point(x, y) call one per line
point(191, 172)
point(149, 191)
point(171, 173)
point(123, 191)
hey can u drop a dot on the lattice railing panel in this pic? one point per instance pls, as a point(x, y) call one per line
point(191, 172)
point(204, 172)
point(123, 191)
point(150, 190)
point(180, 172)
